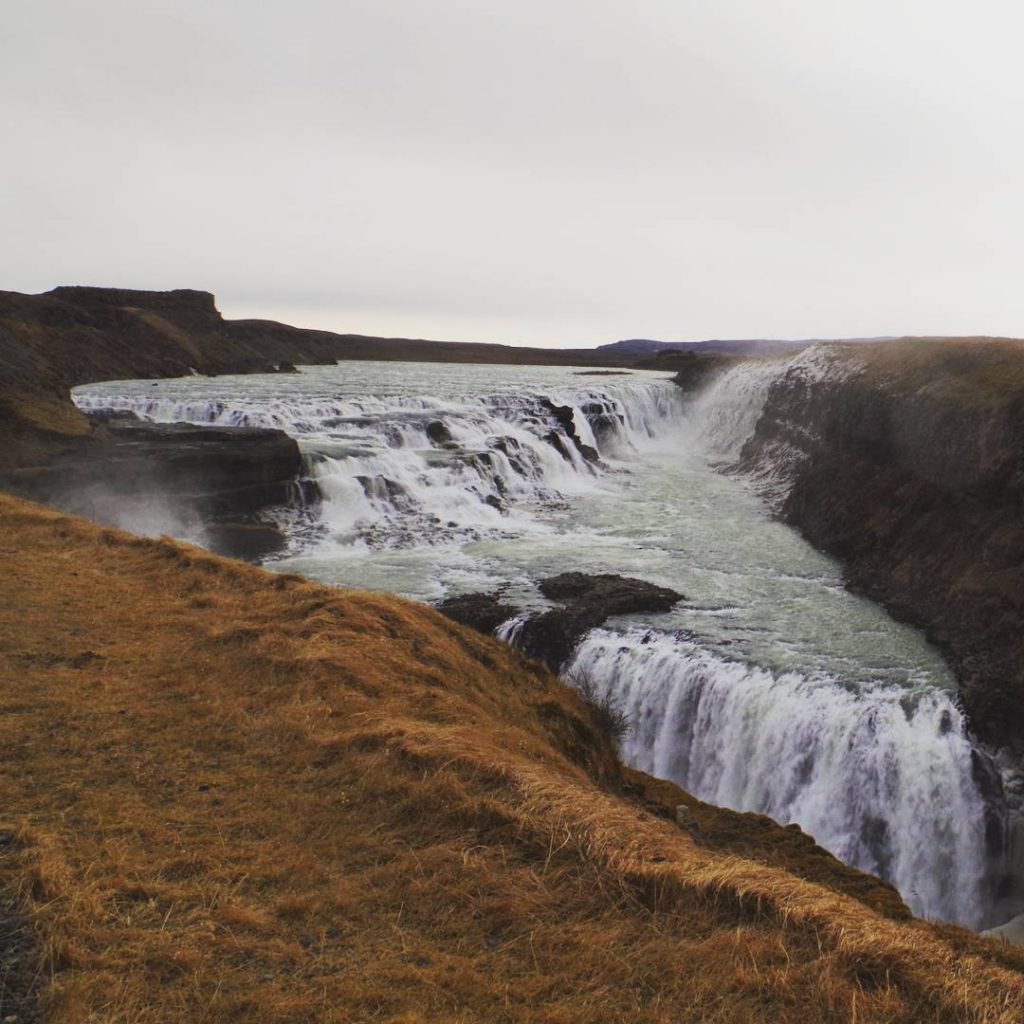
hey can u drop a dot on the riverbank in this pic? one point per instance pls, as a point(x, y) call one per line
point(233, 793)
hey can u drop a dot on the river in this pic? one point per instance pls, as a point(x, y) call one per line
point(769, 688)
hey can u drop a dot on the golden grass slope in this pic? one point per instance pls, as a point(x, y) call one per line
point(230, 796)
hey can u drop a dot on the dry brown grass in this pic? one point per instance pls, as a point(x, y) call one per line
point(231, 796)
point(958, 372)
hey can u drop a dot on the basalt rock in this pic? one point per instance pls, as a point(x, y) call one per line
point(585, 602)
point(563, 415)
point(438, 432)
point(213, 482)
point(607, 592)
point(696, 370)
point(223, 471)
point(482, 612)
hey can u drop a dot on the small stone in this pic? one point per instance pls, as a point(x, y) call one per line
point(688, 821)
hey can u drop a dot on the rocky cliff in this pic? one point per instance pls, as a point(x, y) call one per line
point(906, 461)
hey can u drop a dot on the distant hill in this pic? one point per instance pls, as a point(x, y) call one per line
point(719, 346)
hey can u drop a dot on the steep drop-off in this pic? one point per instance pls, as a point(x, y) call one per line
point(906, 461)
point(232, 795)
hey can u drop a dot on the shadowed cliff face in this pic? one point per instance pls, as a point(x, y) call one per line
point(908, 465)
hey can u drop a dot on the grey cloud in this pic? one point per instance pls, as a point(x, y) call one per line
point(560, 172)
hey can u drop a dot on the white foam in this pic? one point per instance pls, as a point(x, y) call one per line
point(880, 776)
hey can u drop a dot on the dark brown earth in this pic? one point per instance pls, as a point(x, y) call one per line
point(912, 474)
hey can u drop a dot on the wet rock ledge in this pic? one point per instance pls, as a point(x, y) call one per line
point(585, 602)
point(221, 480)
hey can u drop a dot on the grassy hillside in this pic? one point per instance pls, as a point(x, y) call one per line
point(231, 796)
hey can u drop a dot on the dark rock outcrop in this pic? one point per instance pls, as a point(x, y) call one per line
point(223, 478)
point(607, 593)
point(695, 371)
point(563, 416)
point(220, 471)
point(482, 612)
point(438, 432)
point(586, 601)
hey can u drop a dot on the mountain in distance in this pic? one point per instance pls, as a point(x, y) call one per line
point(719, 346)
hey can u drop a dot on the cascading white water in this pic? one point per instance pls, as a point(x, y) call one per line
point(788, 696)
point(403, 470)
point(725, 414)
point(880, 776)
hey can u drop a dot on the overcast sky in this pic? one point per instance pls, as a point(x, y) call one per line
point(526, 171)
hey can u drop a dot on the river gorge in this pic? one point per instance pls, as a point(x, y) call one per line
point(769, 687)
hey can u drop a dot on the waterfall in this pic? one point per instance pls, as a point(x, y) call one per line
point(867, 754)
point(404, 470)
point(510, 630)
point(724, 415)
point(880, 776)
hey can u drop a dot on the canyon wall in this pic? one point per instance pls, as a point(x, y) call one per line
point(905, 460)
